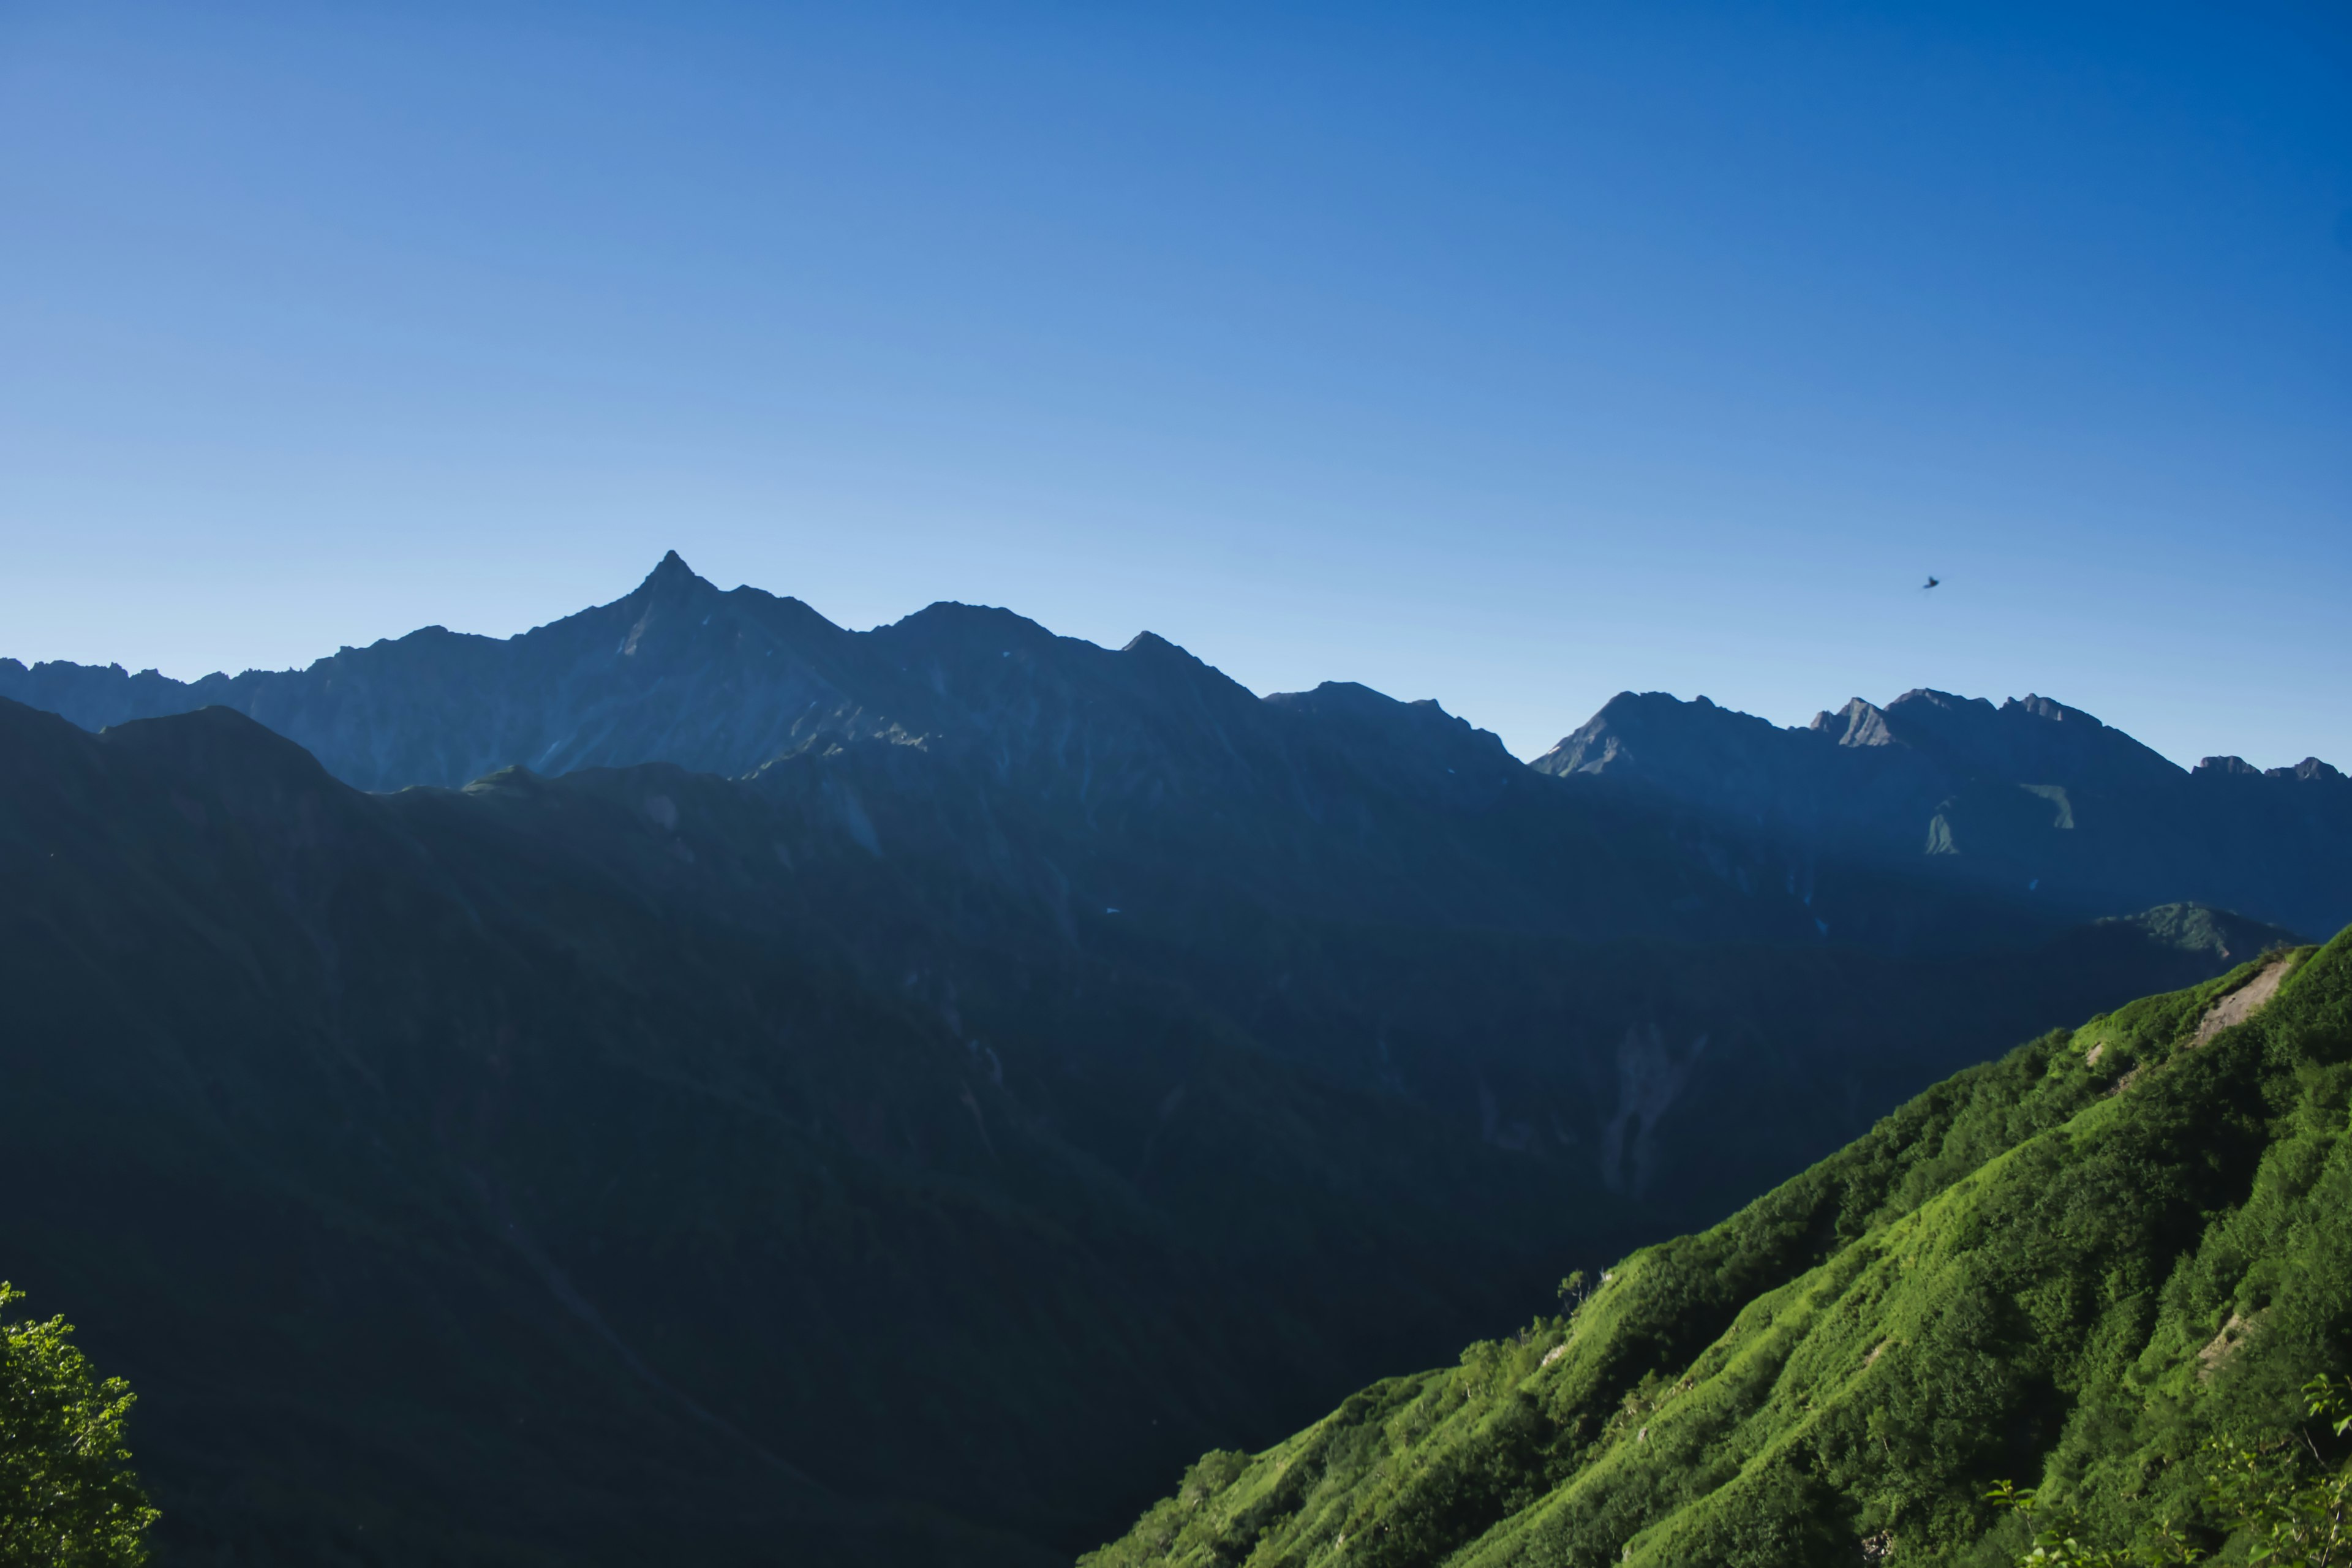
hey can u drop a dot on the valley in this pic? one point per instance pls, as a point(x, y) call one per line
point(690, 1078)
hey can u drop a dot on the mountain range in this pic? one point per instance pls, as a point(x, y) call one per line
point(2031, 795)
point(2028, 803)
point(691, 1077)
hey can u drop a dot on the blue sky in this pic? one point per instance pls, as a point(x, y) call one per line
point(1511, 355)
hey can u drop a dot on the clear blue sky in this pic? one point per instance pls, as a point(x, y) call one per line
point(1507, 354)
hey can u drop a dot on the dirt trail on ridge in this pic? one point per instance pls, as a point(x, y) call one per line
point(2242, 1004)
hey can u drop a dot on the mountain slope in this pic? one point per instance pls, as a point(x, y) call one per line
point(406, 1155)
point(2072, 1264)
point(636, 1161)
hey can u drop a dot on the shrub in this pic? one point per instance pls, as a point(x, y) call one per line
point(68, 1496)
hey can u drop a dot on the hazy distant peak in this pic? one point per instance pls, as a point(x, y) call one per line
point(1935, 699)
point(1858, 724)
point(2051, 710)
point(671, 571)
point(2227, 765)
point(2311, 770)
point(1353, 698)
point(671, 583)
point(1152, 645)
point(2032, 740)
point(1157, 653)
point(1416, 747)
point(1339, 694)
point(1642, 723)
point(949, 625)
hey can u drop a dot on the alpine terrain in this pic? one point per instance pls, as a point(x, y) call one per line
point(691, 1082)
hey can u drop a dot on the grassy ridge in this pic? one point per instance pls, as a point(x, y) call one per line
point(2073, 1264)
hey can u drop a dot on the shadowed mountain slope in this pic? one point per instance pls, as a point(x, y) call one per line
point(643, 1164)
point(513, 1176)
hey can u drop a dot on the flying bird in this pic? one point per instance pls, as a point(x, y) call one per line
point(1929, 584)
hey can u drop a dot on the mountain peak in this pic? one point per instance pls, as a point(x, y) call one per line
point(1858, 724)
point(2229, 767)
point(949, 626)
point(672, 574)
point(1151, 645)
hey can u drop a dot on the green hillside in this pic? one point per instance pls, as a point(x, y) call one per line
point(2075, 1267)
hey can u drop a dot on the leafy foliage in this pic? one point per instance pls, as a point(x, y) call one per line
point(2263, 1494)
point(2119, 1252)
point(68, 1496)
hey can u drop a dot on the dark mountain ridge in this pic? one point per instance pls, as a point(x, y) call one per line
point(722, 682)
point(1987, 821)
point(2030, 798)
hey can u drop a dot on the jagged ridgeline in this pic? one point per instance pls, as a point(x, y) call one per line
point(2075, 1266)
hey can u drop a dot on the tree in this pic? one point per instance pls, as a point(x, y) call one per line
point(68, 1496)
point(2288, 1514)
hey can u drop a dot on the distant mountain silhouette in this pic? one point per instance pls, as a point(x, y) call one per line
point(2031, 796)
point(2032, 804)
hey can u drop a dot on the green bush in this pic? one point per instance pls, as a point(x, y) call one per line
point(68, 1496)
point(2283, 1500)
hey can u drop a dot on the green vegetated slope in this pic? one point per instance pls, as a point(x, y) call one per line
point(2072, 1266)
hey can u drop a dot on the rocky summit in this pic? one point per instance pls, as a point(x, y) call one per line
point(2030, 798)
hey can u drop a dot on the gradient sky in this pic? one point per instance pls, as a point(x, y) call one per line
point(1509, 355)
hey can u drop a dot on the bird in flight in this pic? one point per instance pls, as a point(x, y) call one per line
point(1929, 584)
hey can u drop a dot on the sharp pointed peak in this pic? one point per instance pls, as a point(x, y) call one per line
point(1149, 642)
point(671, 575)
